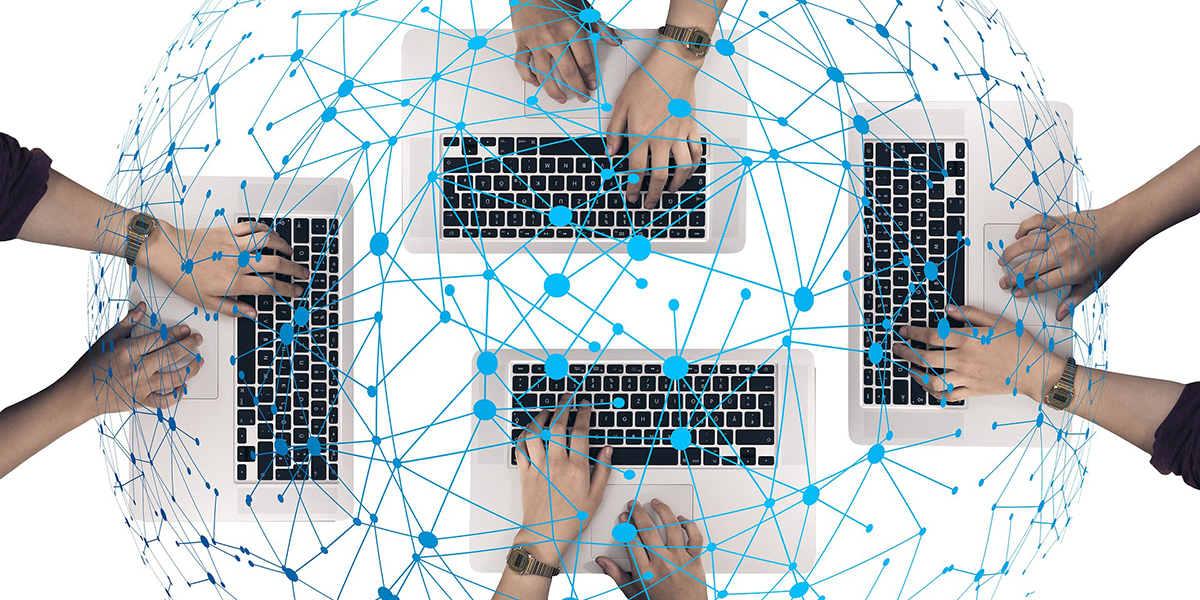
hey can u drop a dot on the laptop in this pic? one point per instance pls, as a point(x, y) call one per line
point(740, 468)
point(489, 167)
point(255, 436)
point(923, 183)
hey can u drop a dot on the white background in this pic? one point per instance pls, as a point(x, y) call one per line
point(71, 73)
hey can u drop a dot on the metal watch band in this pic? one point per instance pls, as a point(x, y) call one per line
point(1064, 388)
point(521, 561)
point(139, 229)
point(694, 39)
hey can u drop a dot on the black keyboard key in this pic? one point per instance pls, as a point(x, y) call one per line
point(657, 455)
point(755, 437)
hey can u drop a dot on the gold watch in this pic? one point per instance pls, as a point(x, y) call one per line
point(1061, 394)
point(521, 561)
point(140, 228)
point(697, 41)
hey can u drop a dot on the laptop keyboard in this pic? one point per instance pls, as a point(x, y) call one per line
point(729, 409)
point(504, 188)
point(288, 365)
point(918, 215)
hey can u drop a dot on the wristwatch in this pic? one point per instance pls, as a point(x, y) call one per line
point(1061, 394)
point(140, 228)
point(697, 41)
point(521, 561)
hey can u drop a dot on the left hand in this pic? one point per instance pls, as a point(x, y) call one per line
point(671, 552)
point(986, 358)
point(641, 114)
point(558, 482)
point(214, 284)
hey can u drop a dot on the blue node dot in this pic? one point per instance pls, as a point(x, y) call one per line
point(395, 462)
point(634, 178)
point(870, 527)
point(290, 573)
point(445, 316)
point(431, 177)
point(243, 259)
point(803, 299)
point(624, 532)
point(835, 74)
point(861, 125)
point(773, 153)
point(711, 547)
point(532, 100)
point(769, 503)
point(875, 453)
point(783, 122)
point(187, 266)
point(560, 216)
point(486, 363)
point(681, 438)
point(477, 43)
point(557, 285)
point(875, 353)
point(637, 246)
point(594, 346)
point(618, 329)
point(460, 126)
point(281, 447)
point(435, 77)
point(489, 274)
point(722, 593)
point(329, 114)
point(931, 270)
point(287, 334)
point(297, 55)
point(724, 47)
point(747, 161)
point(484, 409)
point(846, 165)
point(385, 594)
point(204, 541)
point(679, 108)
point(314, 446)
point(811, 494)
point(1041, 419)
point(378, 316)
point(673, 304)
point(379, 243)
point(606, 107)
point(1020, 327)
point(589, 15)
point(346, 87)
point(745, 293)
point(846, 275)
point(979, 575)
point(618, 402)
point(675, 368)
point(582, 515)
point(545, 435)
point(883, 31)
point(798, 590)
point(943, 328)
point(556, 366)
point(641, 283)
point(427, 539)
point(647, 575)
point(376, 440)
point(1020, 281)
point(607, 174)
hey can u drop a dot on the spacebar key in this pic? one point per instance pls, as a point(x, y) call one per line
point(645, 456)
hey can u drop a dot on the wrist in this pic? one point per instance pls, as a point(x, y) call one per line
point(539, 547)
point(1037, 388)
point(676, 58)
point(157, 249)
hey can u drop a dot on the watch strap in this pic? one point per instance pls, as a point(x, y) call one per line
point(531, 565)
point(1065, 386)
point(136, 236)
point(694, 39)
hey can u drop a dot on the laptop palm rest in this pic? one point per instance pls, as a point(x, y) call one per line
point(599, 533)
point(1032, 312)
point(613, 69)
point(173, 311)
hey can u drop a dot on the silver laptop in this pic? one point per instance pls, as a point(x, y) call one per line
point(256, 435)
point(739, 468)
point(957, 220)
point(494, 183)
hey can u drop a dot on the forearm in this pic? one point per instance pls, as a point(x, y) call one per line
point(701, 14)
point(1131, 407)
point(34, 423)
point(72, 216)
point(1169, 198)
point(523, 587)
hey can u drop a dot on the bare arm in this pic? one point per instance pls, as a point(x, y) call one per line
point(1130, 406)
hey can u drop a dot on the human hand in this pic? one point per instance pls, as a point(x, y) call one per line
point(558, 483)
point(550, 35)
point(187, 261)
point(675, 562)
point(121, 372)
point(642, 113)
point(985, 358)
point(1076, 253)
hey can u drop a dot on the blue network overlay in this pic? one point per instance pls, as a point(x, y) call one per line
point(371, 130)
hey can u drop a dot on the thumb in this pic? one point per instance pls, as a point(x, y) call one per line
point(601, 471)
point(623, 579)
point(972, 315)
point(1078, 294)
point(123, 328)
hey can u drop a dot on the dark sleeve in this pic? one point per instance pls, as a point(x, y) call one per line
point(23, 177)
point(1177, 440)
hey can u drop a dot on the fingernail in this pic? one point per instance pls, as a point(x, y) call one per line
point(1017, 293)
point(185, 330)
point(904, 331)
point(655, 502)
point(252, 314)
point(607, 451)
point(1004, 282)
point(199, 339)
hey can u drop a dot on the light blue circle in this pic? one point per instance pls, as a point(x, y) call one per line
point(618, 329)
point(545, 435)
point(532, 100)
point(300, 317)
point(943, 328)
point(477, 43)
point(606, 107)
point(243, 259)
point(589, 15)
point(607, 174)
point(314, 446)
point(281, 447)
point(679, 108)
point(803, 299)
point(882, 30)
point(560, 216)
point(861, 125)
point(634, 178)
point(724, 47)
point(378, 316)
point(346, 87)
point(875, 453)
point(291, 574)
point(647, 576)
point(673, 304)
point(427, 539)
point(641, 283)
point(798, 590)
point(486, 363)
point(747, 161)
point(769, 503)
point(445, 316)
point(745, 293)
point(783, 122)
point(489, 274)
point(931, 270)
point(1020, 281)
point(618, 402)
point(287, 334)
point(811, 494)
point(638, 247)
point(835, 74)
point(379, 243)
point(329, 114)
point(484, 409)
point(681, 438)
point(875, 353)
point(557, 285)
point(594, 346)
point(297, 55)
point(1020, 327)
point(556, 366)
point(624, 533)
point(675, 368)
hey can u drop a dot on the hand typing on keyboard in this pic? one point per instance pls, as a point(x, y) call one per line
point(252, 260)
point(661, 550)
point(549, 37)
point(985, 358)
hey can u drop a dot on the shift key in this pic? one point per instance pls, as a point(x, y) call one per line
point(645, 456)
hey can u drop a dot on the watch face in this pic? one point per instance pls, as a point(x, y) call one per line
point(518, 560)
point(141, 224)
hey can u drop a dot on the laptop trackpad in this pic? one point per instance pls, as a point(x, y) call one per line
point(996, 299)
point(172, 312)
point(678, 497)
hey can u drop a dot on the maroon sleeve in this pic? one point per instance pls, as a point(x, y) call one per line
point(1177, 440)
point(23, 177)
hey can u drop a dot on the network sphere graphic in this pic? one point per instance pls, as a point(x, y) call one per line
point(256, 101)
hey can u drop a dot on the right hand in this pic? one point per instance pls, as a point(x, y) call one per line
point(121, 372)
point(550, 36)
point(1075, 253)
point(675, 562)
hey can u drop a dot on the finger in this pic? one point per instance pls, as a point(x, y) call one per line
point(637, 166)
point(1038, 221)
point(581, 51)
point(623, 579)
point(637, 551)
point(660, 156)
point(646, 528)
point(247, 227)
point(672, 532)
point(258, 240)
point(600, 473)
point(543, 64)
point(1023, 245)
point(151, 341)
point(155, 400)
point(571, 74)
point(558, 425)
point(1078, 294)
point(534, 448)
point(521, 60)
point(1034, 266)
point(1051, 280)
point(264, 286)
point(973, 316)
point(684, 165)
point(174, 356)
point(607, 33)
point(616, 127)
point(695, 539)
point(958, 393)
point(928, 336)
point(280, 266)
point(235, 308)
point(579, 439)
point(939, 359)
point(121, 330)
point(166, 381)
